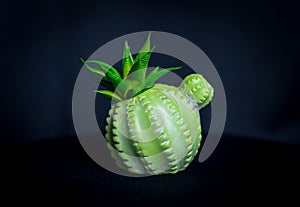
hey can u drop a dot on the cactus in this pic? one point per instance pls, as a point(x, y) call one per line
point(151, 128)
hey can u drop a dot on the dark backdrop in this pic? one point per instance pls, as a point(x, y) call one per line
point(253, 44)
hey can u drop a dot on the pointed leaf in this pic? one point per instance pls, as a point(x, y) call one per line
point(154, 76)
point(109, 94)
point(121, 86)
point(142, 59)
point(107, 84)
point(139, 69)
point(104, 66)
point(141, 62)
point(94, 70)
point(146, 47)
point(104, 82)
point(109, 72)
point(136, 78)
point(115, 80)
point(127, 60)
point(112, 75)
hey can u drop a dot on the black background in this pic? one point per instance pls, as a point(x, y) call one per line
point(254, 46)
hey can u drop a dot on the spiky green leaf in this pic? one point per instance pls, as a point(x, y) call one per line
point(138, 71)
point(104, 82)
point(136, 78)
point(109, 72)
point(127, 60)
point(94, 70)
point(105, 67)
point(141, 63)
point(114, 78)
point(146, 47)
point(109, 94)
point(154, 76)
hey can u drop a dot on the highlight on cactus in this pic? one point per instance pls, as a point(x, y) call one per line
point(151, 128)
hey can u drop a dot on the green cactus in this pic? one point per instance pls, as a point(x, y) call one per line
point(151, 128)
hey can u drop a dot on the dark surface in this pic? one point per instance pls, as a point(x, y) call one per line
point(241, 172)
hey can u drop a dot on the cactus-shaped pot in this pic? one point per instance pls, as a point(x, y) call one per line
point(151, 128)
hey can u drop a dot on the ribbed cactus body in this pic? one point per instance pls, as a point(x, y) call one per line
point(155, 132)
point(151, 128)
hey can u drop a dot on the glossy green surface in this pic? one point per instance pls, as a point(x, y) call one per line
point(158, 131)
point(151, 128)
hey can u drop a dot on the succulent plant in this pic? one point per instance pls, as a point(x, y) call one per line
point(151, 128)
